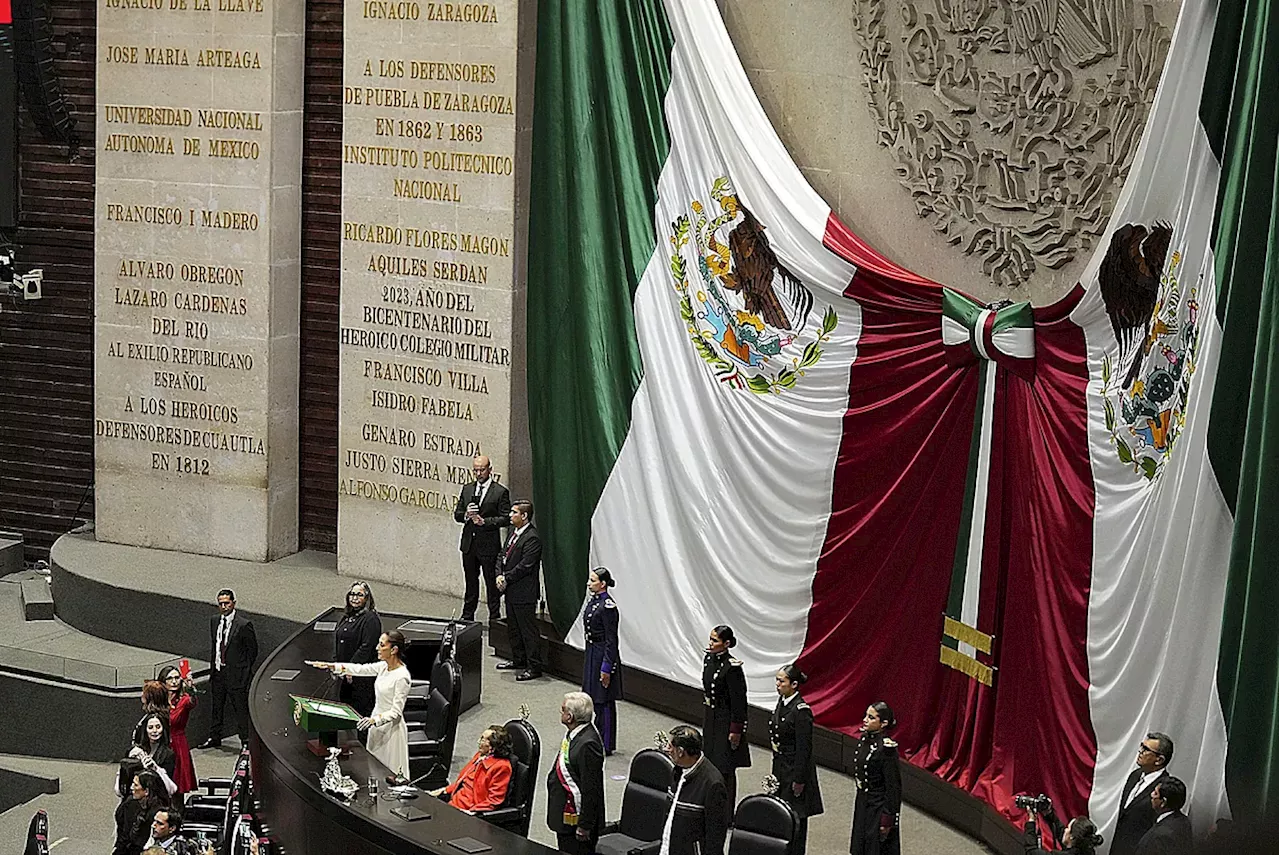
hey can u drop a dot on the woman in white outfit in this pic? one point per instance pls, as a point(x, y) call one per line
point(388, 736)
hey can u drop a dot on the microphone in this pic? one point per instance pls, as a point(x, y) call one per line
point(404, 788)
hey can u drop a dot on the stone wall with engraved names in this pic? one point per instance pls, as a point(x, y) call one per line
point(197, 248)
point(428, 277)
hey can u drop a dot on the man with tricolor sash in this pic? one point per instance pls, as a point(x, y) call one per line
point(575, 786)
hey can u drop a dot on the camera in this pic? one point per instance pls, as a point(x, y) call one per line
point(1034, 804)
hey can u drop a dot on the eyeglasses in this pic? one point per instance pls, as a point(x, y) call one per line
point(1143, 749)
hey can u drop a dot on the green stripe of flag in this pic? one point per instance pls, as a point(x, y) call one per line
point(1239, 114)
point(599, 143)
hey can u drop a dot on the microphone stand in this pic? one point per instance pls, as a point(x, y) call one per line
point(404, 789)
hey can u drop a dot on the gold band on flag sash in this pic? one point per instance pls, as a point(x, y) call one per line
point(966, 634)
point(966, 665)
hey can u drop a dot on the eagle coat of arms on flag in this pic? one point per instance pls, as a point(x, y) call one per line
point(751, 318)
point(1155, 320)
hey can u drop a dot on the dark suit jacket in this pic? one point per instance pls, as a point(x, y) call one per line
point(586, 766)
point(242, 649)
point(521, 564)
point(702, 820)
point(485, 540)
point(1169, 836)
point(1135, 819)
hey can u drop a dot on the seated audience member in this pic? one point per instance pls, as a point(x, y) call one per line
point(1171, 834)
point(482, 783)
point(165, 838)
point(153, 750)
point(136, 812)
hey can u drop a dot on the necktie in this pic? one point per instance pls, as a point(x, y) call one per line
point(223, 631)
point(510, 545)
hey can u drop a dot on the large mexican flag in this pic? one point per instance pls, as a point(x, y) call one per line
point(1037, 532)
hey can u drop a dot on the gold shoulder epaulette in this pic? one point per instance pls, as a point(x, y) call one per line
point(889, 743)
point(736, 663)
point(610, 604)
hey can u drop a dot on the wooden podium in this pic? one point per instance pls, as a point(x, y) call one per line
point(323, 718)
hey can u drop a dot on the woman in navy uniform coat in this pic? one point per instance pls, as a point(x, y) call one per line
point(724, 721)
point(791, 738)
point(879, 786)
point(602, 666)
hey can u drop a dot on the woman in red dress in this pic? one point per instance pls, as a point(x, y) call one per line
point(180, 703)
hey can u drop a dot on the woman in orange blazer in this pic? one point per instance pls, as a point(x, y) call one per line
point(482, 784)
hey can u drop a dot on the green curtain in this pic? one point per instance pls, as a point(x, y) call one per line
point(599, 143)
point(1240, 118)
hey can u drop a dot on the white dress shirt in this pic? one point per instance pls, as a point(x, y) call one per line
point(224, 634)
point(675, 801)
point(1142, 784)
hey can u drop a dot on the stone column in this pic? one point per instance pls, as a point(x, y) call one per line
point(198, 222)
point(428, 195)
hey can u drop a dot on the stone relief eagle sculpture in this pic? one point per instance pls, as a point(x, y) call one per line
point(1129, 280)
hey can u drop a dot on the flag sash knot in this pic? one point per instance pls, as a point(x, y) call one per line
point(1003, 333)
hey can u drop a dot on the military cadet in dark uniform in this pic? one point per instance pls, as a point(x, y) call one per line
point(879, 786)
point(602, 666)
point(791, 738)
point(724, 722)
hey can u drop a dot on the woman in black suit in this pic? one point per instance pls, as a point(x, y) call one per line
point(724, 719)
point(791, 738)
point(151, 749)
point(356, 641)
point(879, 796)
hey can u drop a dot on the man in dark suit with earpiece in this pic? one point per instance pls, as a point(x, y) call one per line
point(1137, 816)
point(233, 652)
point(484, 507)
point(519, 579)
point(1171, 834)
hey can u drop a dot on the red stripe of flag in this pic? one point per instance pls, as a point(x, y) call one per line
point(885, 568)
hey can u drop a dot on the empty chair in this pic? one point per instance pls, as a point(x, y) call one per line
point(645, 804)
point(214, 811)
point(764, 825)
point(415, 706)
point(431, 740)
point(526, 750)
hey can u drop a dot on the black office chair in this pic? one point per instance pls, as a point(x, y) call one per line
point(215, 811)
point(415, 705)
point(38, 835)
point(763, 825)
point(516, 809)
point(431, 741)
point(646, 801)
